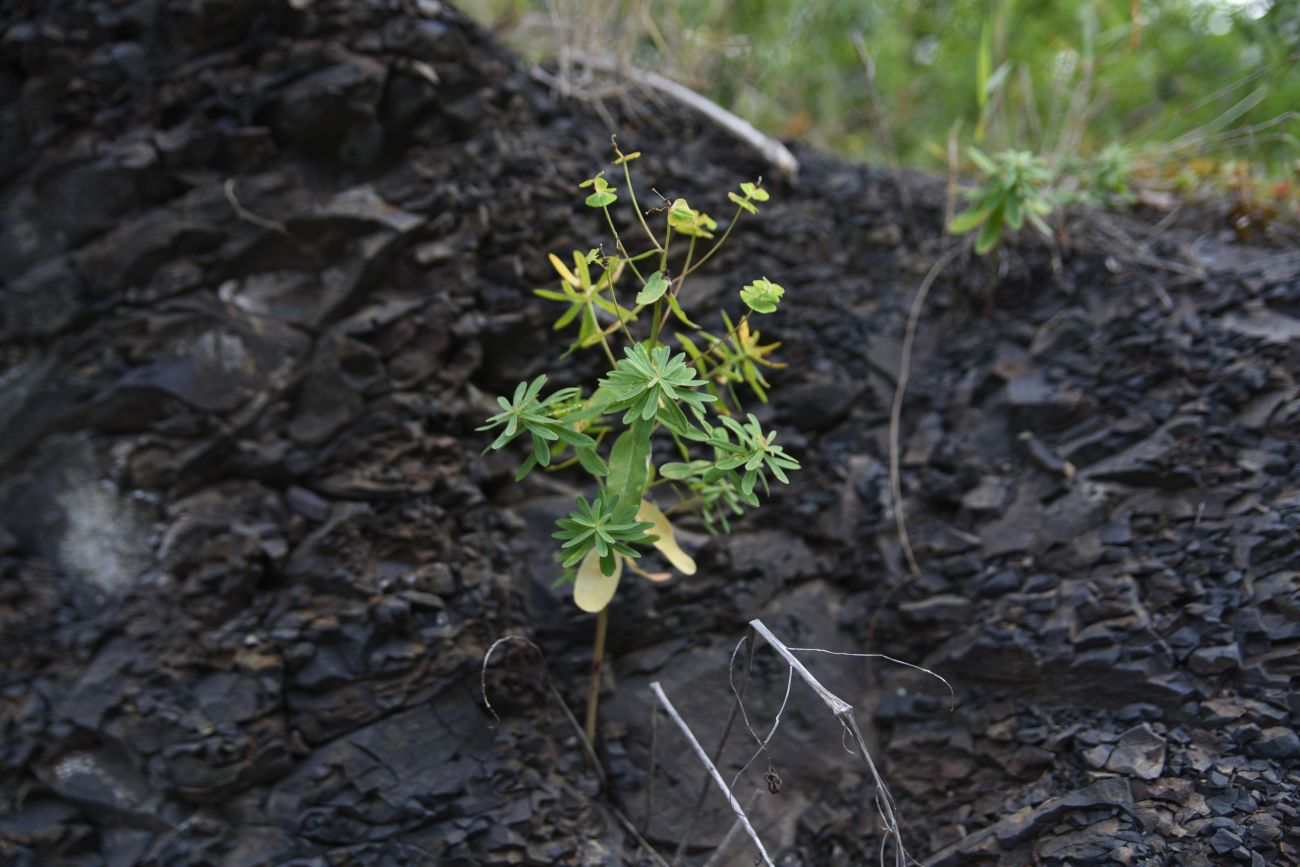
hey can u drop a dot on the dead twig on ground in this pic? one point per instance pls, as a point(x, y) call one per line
point(248, 216)
point(843, 711)
point(722, 741)
point(712, 769)
point(716, 857)
point(896, 411)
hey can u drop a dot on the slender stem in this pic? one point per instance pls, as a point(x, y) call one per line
point(686, 269)
point(896, 410)
point(656, 322)
point(618, 245)
point(631, 191)
point(609, 353)
point(597, 660)
point(668, 239)
point(684, 505)
point(659, 322)
point(721, 241)
point(714, 347)
point(618, 314)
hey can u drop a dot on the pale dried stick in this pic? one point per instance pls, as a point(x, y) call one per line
point(776, 154)
point(843, 711)
point(716, 857)
point(712, 769)
point(896, 411)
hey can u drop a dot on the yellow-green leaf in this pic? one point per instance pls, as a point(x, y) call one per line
point(667, 543)
point(564, 271)
point(592, 589)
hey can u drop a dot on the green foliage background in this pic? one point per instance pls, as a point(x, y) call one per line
point(790, 66)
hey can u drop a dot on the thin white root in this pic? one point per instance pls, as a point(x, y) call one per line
point(712, 769)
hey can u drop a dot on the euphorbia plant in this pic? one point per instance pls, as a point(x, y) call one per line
point(684, 394)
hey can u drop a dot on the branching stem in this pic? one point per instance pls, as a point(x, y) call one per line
point(721, 241)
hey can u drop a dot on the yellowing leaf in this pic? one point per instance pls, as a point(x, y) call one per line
point(592, 590)
point(565, 272)
point(667, 543)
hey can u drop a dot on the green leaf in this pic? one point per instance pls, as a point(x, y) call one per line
point(602, 193)
point(592, 462)
point(673, 418)
point(754, 191)
point(982, 160)
point(744, 204)
point(677, 311)
point(984, 62)
point(655, 287)
point(688, 221)
point(525, 468)
point(679, 471)
point(989, 232)
point(999, 75)
point(1015, 214)
point(1039, 223)
point(628, 464)
point(646, 377)
point(966, 220)
point(762, 295)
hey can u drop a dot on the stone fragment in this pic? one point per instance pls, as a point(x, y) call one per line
point(1139, 752)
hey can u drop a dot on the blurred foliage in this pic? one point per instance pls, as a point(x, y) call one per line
point(1172, 80)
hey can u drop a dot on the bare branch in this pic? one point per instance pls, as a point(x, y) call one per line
point(844, 713)
point(712, 769)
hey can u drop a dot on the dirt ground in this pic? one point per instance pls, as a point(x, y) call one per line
point(264, 266)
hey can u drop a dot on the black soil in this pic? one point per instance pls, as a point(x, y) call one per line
point(264, 265)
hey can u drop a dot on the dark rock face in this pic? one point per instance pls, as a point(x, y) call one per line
point(262, 263)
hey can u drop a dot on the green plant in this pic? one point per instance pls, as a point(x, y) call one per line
point(685, 398)
point(1015, 189)
point(1109, 175)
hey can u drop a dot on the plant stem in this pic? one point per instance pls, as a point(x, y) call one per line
point(604, 343)
point(631, 191)
point(677, 290)
point(618, 245)
point(896, 410)
point(656, 323)
point(597, 662)
point(715, 247)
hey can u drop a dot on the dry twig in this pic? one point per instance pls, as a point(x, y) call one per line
point(843, 711)
point(896, 411)
point(713, 771)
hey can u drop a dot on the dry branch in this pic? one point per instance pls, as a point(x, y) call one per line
point(844, 713)
point(776, 154)
point(712, 769)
